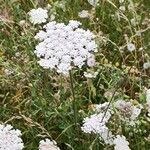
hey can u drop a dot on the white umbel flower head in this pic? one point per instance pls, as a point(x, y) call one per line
point(123, 106)
point(121, 143)
point(10, 138)
point(63, 47)
point(48, 145)
point(96, 123)
point(128, 112)
point(38, 16)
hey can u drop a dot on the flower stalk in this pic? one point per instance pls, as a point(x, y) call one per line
point(74, 99)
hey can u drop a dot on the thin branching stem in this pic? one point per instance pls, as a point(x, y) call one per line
point(122, 82)
point(74, 99)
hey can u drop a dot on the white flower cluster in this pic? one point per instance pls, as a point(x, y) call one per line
point(96, 123)
point(63, 46)
point(38, 16)
point(121, 143)
point(10, 138)
point(128, 112)
point(48, 145)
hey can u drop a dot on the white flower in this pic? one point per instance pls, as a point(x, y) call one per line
point(63, 47)
point(10, 138)
point(41, 35)
point(48, 6)
point(52, 17)
point(93, 2)
point(63, 68)
point(91, 61)
point(48, 145)
point(134, 21)
point(74, 24)
point(107, 136)
point(38, 16)
point(135, 112)
point(123, 105)
point(40, 49)
point(146, 65)
point(78, 61)
point(48, 63)
point(8, 72)
point(122, 8)
point(90, 74)
point(148, 96)
point(148, 99)
point(131, 47)
point(96, 123)
point(83, 14)
point(22, 22)
point(128, 112)
point(121, 143)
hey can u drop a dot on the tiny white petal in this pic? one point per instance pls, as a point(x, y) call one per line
point(131, 47)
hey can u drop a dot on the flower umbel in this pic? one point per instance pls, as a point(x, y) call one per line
point(48, 145)
point(63, 46)
point(96, 123)
point(128, 112)
point(38, 16)
point(10, 138)
point(121, 143)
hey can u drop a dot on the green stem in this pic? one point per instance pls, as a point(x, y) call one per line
point(73, 96)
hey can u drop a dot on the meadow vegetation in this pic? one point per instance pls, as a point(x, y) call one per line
point(44, 103)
